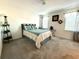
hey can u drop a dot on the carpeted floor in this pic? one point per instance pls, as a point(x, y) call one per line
point(54, 49)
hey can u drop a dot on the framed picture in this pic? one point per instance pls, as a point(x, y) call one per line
point(55, 18)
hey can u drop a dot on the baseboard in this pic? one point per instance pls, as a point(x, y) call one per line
point(18, 38)
point(63, 38)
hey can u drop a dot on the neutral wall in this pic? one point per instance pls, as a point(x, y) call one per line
point(16, 16)
point(60, 32)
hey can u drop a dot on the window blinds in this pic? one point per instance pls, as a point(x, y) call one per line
point(72, 21)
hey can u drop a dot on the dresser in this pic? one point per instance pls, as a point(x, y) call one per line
point(0, 42)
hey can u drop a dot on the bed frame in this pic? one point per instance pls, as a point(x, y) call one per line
point(38, 44)
point(22, 27)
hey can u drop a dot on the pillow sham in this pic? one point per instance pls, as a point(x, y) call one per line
point(34, 27)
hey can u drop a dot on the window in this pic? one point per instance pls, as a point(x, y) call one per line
point(72, 21)
point(45, 22)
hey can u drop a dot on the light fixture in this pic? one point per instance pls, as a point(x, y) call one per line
point(43, 2)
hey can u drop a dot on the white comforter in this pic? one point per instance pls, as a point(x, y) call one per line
point(37, 38)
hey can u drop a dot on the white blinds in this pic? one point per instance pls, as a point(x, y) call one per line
point(77, 22)
point(72, 21)
point(45, 22)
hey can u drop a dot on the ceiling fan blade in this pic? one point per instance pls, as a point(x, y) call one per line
point(43, 2)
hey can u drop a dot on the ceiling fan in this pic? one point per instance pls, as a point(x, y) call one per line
point(43, 2)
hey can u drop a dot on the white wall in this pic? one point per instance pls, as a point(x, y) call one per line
point(60, 32)
point(15, 22)
point(16, 25)
point(17, 15)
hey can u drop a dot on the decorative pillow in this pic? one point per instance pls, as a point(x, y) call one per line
point(34, 27)
point(28, 27)
point(25, 27)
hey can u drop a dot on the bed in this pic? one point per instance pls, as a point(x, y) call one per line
point(37, 35)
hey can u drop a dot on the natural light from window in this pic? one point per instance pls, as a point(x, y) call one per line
point(45, 22)
point(72, 21)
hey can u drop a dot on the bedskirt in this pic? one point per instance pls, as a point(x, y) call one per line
point(37, 38)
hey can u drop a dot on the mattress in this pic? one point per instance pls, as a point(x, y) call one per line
point(38, 31)
point(38, 35)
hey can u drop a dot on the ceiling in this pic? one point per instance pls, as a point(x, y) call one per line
point(36, 6)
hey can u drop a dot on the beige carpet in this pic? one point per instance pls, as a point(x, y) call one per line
point(54, 49)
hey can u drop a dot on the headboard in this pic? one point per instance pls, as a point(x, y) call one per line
point(23, 26)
